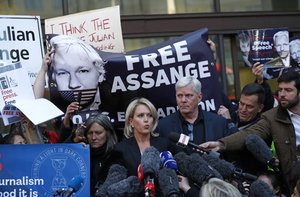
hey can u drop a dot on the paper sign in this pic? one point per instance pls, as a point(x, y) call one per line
point(100, 28)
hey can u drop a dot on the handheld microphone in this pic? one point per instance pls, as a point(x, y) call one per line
point(168, 182)
point(150, 163)
point(74, 185)
point(115, 174)
point(167, 160)
point(126, 187)
point(260, 189)
point(183, 141)
point(261, 151)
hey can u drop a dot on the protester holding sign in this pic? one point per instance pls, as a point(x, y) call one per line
point(75, 72)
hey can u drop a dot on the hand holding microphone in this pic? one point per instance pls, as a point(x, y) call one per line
point(184, 140)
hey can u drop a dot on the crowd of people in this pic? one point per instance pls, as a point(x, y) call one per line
point(224, 132)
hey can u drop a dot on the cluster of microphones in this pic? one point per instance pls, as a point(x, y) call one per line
point(157, 172)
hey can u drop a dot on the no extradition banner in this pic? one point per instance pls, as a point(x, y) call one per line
point(43, 169)
point(149, 72)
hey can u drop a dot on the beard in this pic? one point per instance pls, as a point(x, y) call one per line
point(292, 103)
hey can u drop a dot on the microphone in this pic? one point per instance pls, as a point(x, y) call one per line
point(115, 174)
point(260, 189)
point(183, 141)
point(261, 151)
point(74, 185)
point(168, 182)
point(196, 169)
point(227, 169)
point(150, 163)
point(168, 161)
point(126, 187)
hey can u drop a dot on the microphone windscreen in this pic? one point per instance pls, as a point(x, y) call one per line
point(225, 168)
point(167, 160)
point(125, 188)
point(115, 174)
point(259, 149)
point(260, 189)
point(150, 162)
point(213, 172)
point(195, 169)
point(168, 182)
point(180, 159)
point(76, 183)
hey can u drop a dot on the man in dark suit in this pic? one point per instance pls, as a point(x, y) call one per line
point(190, 119)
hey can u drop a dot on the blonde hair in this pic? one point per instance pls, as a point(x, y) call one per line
point(219, 188)
point(128, 131)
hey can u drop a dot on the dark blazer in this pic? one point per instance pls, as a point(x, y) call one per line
point(215, 126)
point(131, 156)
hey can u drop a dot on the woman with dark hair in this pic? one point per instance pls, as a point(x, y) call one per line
point(101, 137)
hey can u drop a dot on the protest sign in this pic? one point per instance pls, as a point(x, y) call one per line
point(149, 72)
point(268, 46)
point(17, 96)
point(21, 41)
point(100, 28)
point(43, 170)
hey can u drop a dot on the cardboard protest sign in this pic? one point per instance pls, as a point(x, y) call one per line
point(149, 72)
point(21, 41)
point(17, 96)
point(268, 46)
point(44, 169)
point(100, 28)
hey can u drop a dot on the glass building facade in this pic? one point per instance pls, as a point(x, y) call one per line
point(147, 22)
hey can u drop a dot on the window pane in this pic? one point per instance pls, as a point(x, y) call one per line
point(144, 7)
point(138, 43)
point(76, 6)
point(43, 8)
point(259, 5)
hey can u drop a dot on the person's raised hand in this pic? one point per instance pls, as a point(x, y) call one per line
point(223, 111)
point(257, 70)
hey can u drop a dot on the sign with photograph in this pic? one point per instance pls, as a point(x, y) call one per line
point(115, 79)
point(267, 46)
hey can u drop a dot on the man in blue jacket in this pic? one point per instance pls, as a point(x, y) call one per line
point(190, 119)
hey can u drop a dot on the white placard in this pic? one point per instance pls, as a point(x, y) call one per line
point(100, 28)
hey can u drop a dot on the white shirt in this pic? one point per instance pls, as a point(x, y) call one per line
point(295, 118)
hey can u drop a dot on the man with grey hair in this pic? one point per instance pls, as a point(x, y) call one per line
point(190, 119)
point(281, 44)
point(295, 50)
